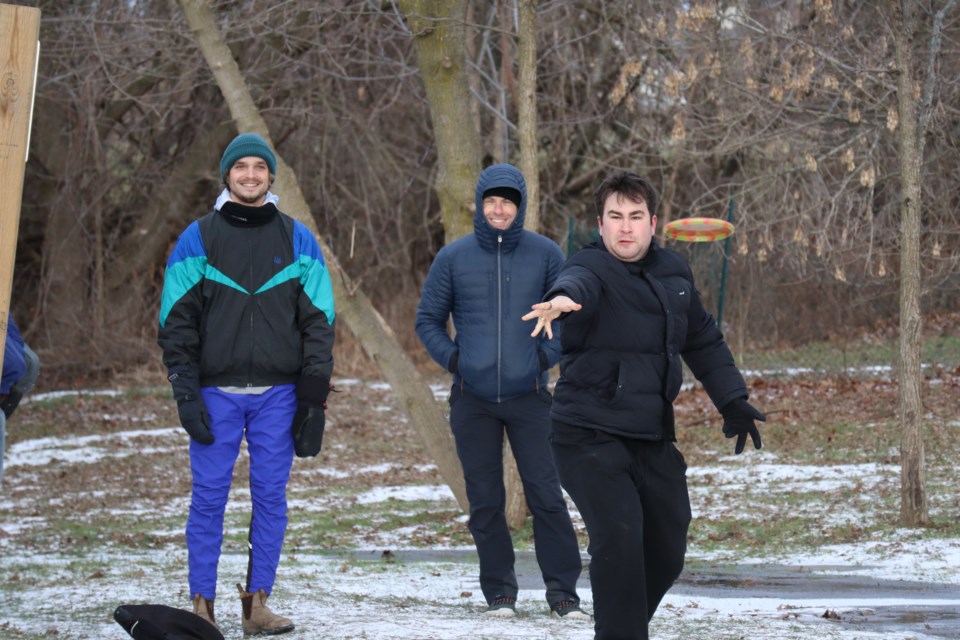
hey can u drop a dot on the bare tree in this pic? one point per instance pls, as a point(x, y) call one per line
point(913, 124)
point(788, 111)
point(527, 109)
point(439, 38)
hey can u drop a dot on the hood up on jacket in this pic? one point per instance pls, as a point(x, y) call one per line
point(499, 175)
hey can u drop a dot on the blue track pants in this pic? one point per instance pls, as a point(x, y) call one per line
point(265, 419)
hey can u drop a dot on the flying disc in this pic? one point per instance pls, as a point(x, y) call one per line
point(698, 229)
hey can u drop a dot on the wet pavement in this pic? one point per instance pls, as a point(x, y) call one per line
point(878, 614)
point(800, 584)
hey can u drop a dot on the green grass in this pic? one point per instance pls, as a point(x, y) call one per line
point(837, 357)
point(770, 523)
point(347, 526)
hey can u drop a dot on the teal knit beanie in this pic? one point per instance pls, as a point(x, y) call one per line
point(247, 144)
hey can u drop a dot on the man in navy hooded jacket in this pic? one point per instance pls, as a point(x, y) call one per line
point(487, 280)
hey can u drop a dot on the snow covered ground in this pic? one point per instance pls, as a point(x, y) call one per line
point(900, 584)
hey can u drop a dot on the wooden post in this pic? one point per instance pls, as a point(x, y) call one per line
point(19, 50)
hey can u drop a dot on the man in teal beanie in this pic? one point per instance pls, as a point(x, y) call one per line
point(247, 331)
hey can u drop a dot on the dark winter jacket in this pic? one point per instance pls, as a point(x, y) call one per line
point(488, 280)
point(620, 370)
point(247, 300)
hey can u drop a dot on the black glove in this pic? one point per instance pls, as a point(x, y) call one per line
point(738, 420)
point(543, 360)
point(11, 402)
point(310, 419)
point(193, 412)
point(454, 365)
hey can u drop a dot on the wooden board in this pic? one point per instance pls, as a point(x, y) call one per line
point(19, 50)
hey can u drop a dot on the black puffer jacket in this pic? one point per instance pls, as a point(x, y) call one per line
point(620, 368)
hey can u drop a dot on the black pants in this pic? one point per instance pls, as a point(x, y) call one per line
point(478, 428)
point(633, 497)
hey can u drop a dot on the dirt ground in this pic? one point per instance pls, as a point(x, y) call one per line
point(805, 417)
point(96, 480)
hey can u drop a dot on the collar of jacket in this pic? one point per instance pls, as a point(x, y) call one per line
point(241, 215)
point(635, 268)
point(224, 197)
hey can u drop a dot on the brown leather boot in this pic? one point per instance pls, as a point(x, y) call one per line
point(258, 619)
point(204, 608)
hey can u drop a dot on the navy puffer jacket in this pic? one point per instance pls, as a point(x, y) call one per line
point(488, 280)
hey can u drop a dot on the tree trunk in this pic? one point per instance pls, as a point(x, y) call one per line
point(62, 309)
point(527, 111)
point(440, 42)
point(913, 497)
point(516, 509)
point(353, 307)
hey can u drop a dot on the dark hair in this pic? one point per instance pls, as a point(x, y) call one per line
point(626, 184)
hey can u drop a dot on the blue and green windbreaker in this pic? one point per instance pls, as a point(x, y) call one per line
point(248, 305)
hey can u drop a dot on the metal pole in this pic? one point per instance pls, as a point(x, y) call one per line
point(723, 271)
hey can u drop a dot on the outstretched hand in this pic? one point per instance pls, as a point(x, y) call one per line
point(739, 420)
point(547, 312)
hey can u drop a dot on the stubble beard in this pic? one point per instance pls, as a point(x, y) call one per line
point(253, 200)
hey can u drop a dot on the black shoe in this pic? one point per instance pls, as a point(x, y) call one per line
point(502, 607)
point(10, 403)
point(568, 610)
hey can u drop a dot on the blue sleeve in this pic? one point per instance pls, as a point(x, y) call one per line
point(14, 365)
point(181, 301)
point(436, 303)
point(315, 306)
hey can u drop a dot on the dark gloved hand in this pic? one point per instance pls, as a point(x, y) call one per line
point(454, 365)
point(310, 419)
point(193, 411)
point(543, 360)
point(738, 420)
point(10, 403)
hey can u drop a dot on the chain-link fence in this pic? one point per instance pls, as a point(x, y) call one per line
point(858, 359)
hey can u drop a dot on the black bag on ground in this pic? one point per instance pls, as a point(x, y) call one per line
point(160, 622)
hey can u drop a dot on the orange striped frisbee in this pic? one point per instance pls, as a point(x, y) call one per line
point(698, 229)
